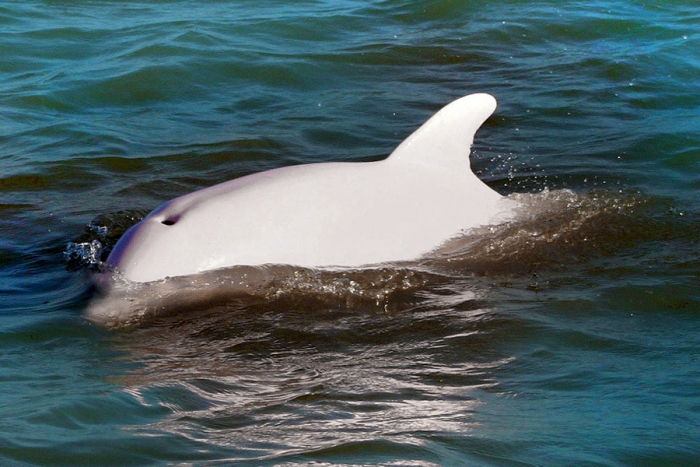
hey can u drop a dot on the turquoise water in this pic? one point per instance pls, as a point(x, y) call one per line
point(573, 341)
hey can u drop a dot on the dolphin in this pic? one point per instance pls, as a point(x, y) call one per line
point(334, 214)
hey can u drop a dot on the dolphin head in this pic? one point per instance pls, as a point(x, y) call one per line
point(158, 247)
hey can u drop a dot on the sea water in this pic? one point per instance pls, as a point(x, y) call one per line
point(569, 338)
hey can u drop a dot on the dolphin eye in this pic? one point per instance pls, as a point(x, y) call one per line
point(170, 220)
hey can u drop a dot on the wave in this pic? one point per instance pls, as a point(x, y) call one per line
point(555, 231)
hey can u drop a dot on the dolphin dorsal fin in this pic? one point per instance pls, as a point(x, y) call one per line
point(446, 138)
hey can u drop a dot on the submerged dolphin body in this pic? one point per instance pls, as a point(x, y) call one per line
point(345, 214)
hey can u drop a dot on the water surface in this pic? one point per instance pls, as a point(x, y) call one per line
point(568, 339)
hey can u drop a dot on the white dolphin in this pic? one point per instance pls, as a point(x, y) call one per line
point(345, 214)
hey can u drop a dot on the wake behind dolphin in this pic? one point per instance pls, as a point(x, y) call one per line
point(327, 214)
